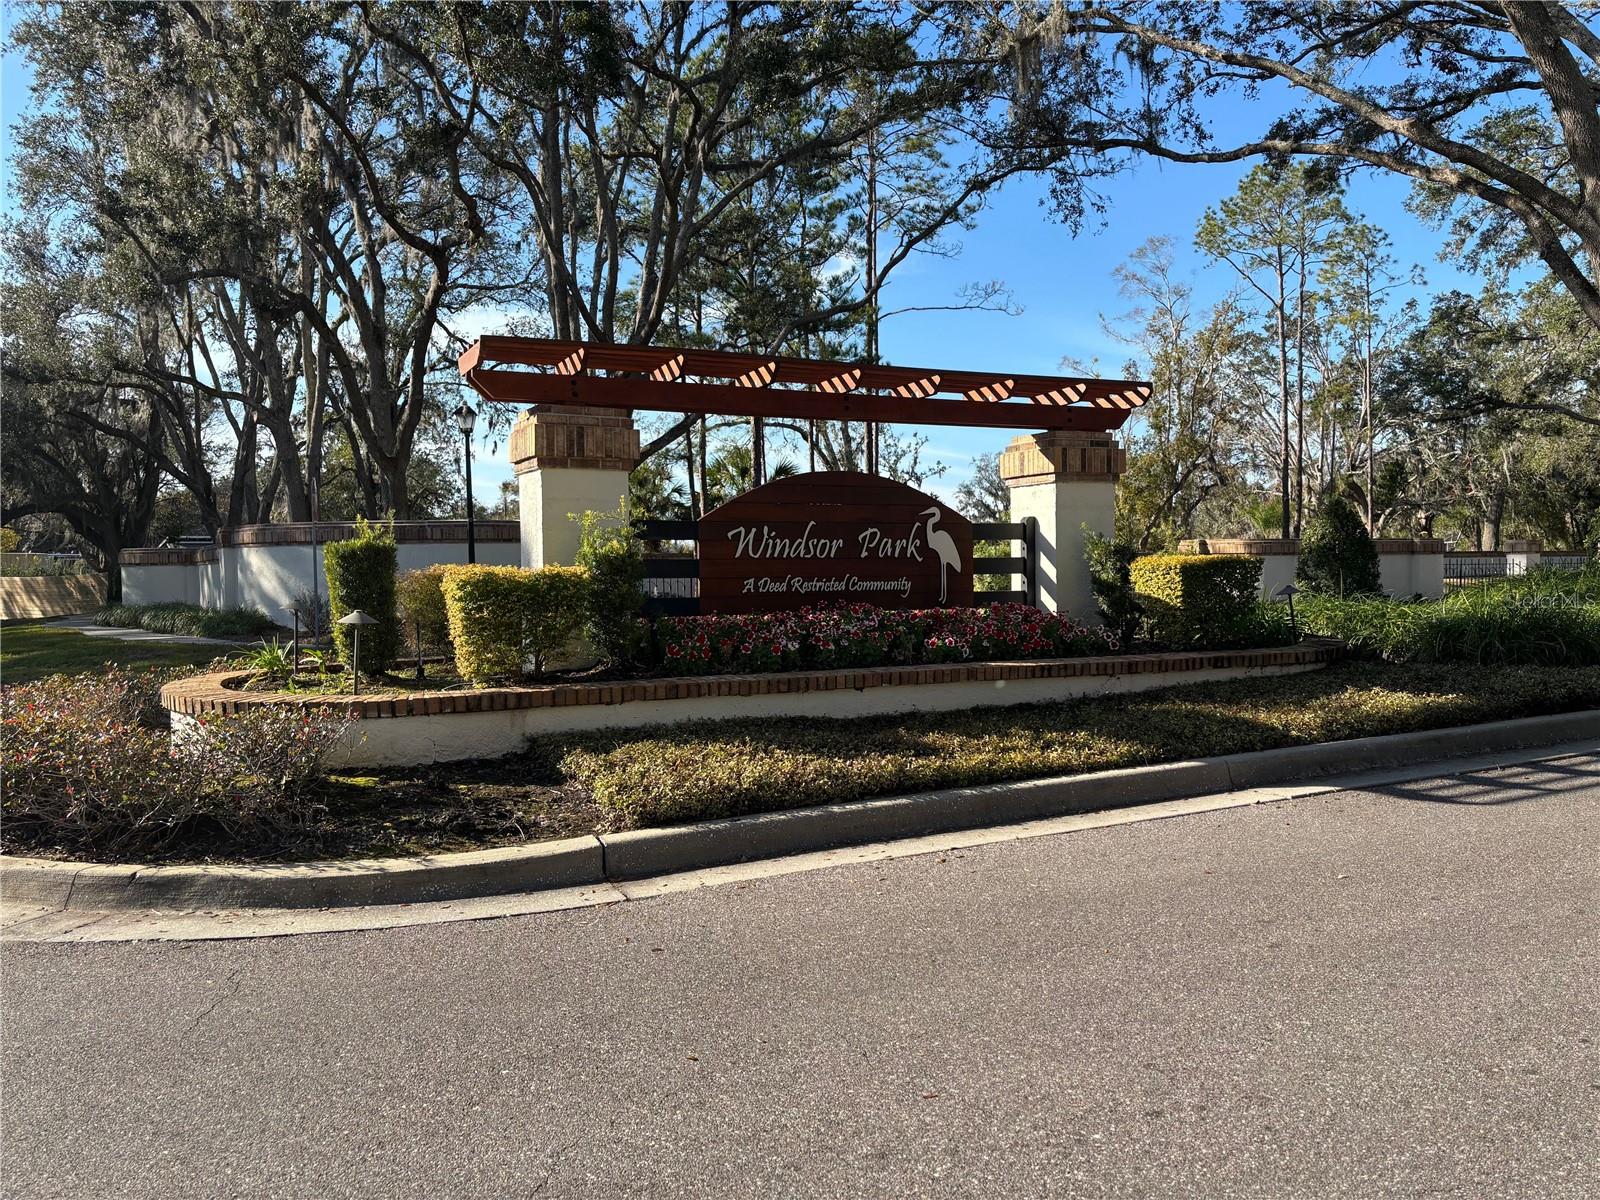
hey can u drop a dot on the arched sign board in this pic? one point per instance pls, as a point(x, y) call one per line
point(834, 536)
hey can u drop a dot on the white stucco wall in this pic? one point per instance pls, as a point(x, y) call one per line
point(269, 577)
point(1403, 575)
point(161, 584)
point(1394, 574)
point(1276, 571)
point(1427, 575)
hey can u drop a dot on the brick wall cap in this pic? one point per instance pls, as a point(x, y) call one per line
point(1256, 547)
point(211, 692)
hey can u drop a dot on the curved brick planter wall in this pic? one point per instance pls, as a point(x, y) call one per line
point(395, 729)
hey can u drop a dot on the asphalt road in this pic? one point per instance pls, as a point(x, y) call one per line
point(1384, 993)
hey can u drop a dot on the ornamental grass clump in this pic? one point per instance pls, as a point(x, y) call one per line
point(863, 635)
point(187, 620)
point(91, 770)
point(1545, 622)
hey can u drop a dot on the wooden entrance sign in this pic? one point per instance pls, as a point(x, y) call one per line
point(838, 536)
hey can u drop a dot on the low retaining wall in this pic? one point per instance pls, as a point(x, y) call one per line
point(34, 597)
point(411, 729)
point(266, 566)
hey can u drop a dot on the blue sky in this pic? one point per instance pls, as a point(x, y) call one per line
point(1062, 281)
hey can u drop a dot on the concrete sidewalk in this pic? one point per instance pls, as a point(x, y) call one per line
point(116, 633)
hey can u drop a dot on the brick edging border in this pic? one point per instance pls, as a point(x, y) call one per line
point(211, 694)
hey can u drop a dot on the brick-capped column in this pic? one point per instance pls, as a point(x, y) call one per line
point(568, 459)
point(1066, 480)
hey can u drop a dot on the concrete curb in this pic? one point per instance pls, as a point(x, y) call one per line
point(96, 887)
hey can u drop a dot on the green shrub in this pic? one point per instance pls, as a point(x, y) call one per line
point(1111, 581)
point(611, 552)
point(1337, 555)
point(187, 620)
point(1499, 624)
point(419, 601)
point(34, 566)
point(361, 575)
point(1199, 601)
point(10, 540)
point(90, 769)
point(502, 618)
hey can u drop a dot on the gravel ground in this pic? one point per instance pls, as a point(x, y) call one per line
point(1380, 993)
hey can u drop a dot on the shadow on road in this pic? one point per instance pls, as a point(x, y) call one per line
point(1498, 786)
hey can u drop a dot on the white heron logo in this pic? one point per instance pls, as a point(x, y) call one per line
point(942, 544)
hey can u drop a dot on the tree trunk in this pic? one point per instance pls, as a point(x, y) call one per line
point(1283, 403)
point(1300, 398)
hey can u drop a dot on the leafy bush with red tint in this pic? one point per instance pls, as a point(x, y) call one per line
point(90, 769)
point(862, 635)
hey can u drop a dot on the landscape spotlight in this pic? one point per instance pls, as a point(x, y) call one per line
point(356, 620)
point(1288, 592)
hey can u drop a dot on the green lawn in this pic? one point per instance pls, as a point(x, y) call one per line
point(30, 652)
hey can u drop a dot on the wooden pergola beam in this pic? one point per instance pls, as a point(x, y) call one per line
point(523, 387)
point(686, 380)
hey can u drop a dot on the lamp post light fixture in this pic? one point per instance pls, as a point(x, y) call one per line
point(356, 620)
point(294, 644)
point(466, 418)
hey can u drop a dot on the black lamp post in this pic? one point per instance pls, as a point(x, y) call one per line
point(465, 420)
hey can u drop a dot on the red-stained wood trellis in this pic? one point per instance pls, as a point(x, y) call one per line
point(669, 379)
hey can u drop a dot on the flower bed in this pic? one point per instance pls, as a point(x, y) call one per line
point(862, 635)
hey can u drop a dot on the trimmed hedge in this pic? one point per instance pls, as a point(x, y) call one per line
point(361, 575)
point(501, 618)
point(419, 600)
point(645, 777)
point(1199, 601)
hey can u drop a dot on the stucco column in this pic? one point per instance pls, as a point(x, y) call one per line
point(1522, 556)
point(568, 460)
point(1427, 567)
point(1065, 480)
